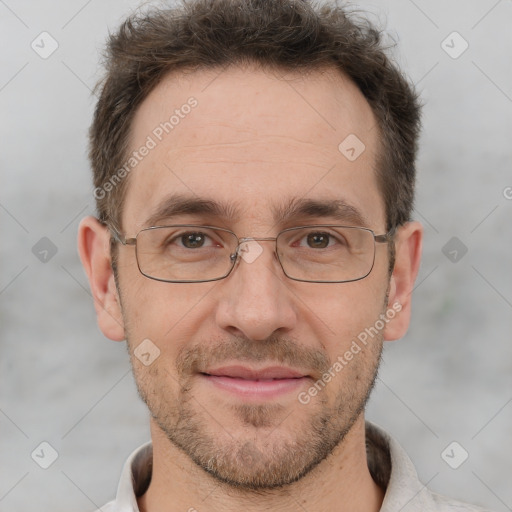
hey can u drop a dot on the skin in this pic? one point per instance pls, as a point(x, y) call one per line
point(256, 140)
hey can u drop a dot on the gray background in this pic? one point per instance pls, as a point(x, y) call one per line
point(62, 382)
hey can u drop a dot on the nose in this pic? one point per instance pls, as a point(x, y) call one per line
point(256, 300)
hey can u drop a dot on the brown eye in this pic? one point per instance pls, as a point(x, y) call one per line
point(318, 240)
point(193, 240)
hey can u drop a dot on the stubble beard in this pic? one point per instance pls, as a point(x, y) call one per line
point(257, 454)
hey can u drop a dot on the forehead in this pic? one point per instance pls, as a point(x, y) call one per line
point(255, 138)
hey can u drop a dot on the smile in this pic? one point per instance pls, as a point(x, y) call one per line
point(250, 384)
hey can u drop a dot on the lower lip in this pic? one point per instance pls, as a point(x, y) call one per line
point(256, 389)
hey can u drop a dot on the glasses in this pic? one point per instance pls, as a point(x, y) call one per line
point(188, 253)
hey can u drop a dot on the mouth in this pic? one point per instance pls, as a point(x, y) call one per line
point(251, 384)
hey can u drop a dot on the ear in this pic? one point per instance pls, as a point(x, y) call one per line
point(94, 250)
point(408, 243)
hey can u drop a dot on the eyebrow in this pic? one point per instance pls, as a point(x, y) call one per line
point(179, 204)
point(337, 209)
point(297, 208)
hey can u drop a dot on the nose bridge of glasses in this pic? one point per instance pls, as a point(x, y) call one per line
point(249, 249)
point(256, 239)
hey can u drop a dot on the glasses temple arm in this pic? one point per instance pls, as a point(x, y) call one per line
point(388, 237)
point(121, 239)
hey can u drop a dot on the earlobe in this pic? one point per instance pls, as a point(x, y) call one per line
point(408, 243)
point(94, 250)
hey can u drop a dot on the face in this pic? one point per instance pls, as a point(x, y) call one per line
point(238, 357)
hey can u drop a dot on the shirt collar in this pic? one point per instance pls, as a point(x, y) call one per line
point(135, 475)
point(404, 491)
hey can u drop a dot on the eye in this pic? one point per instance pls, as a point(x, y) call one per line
point(318, 240)
point(314, 239)
point(173, 239)
point(194, 240)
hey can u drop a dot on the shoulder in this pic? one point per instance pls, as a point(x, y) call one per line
point(108, 507)
point(394, 471)
point(445, 504)
point(111, 506)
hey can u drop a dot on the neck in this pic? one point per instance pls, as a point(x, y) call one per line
point(340, 483)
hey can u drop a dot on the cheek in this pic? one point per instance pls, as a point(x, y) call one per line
point(338, 313)
point(167, 314)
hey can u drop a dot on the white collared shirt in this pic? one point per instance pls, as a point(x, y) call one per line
point(389, 465)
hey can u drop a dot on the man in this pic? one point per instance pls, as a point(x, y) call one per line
point(254, 172)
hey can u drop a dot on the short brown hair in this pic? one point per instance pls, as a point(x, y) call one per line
point(279, 34)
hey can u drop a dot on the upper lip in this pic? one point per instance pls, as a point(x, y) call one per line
point(243, 372)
